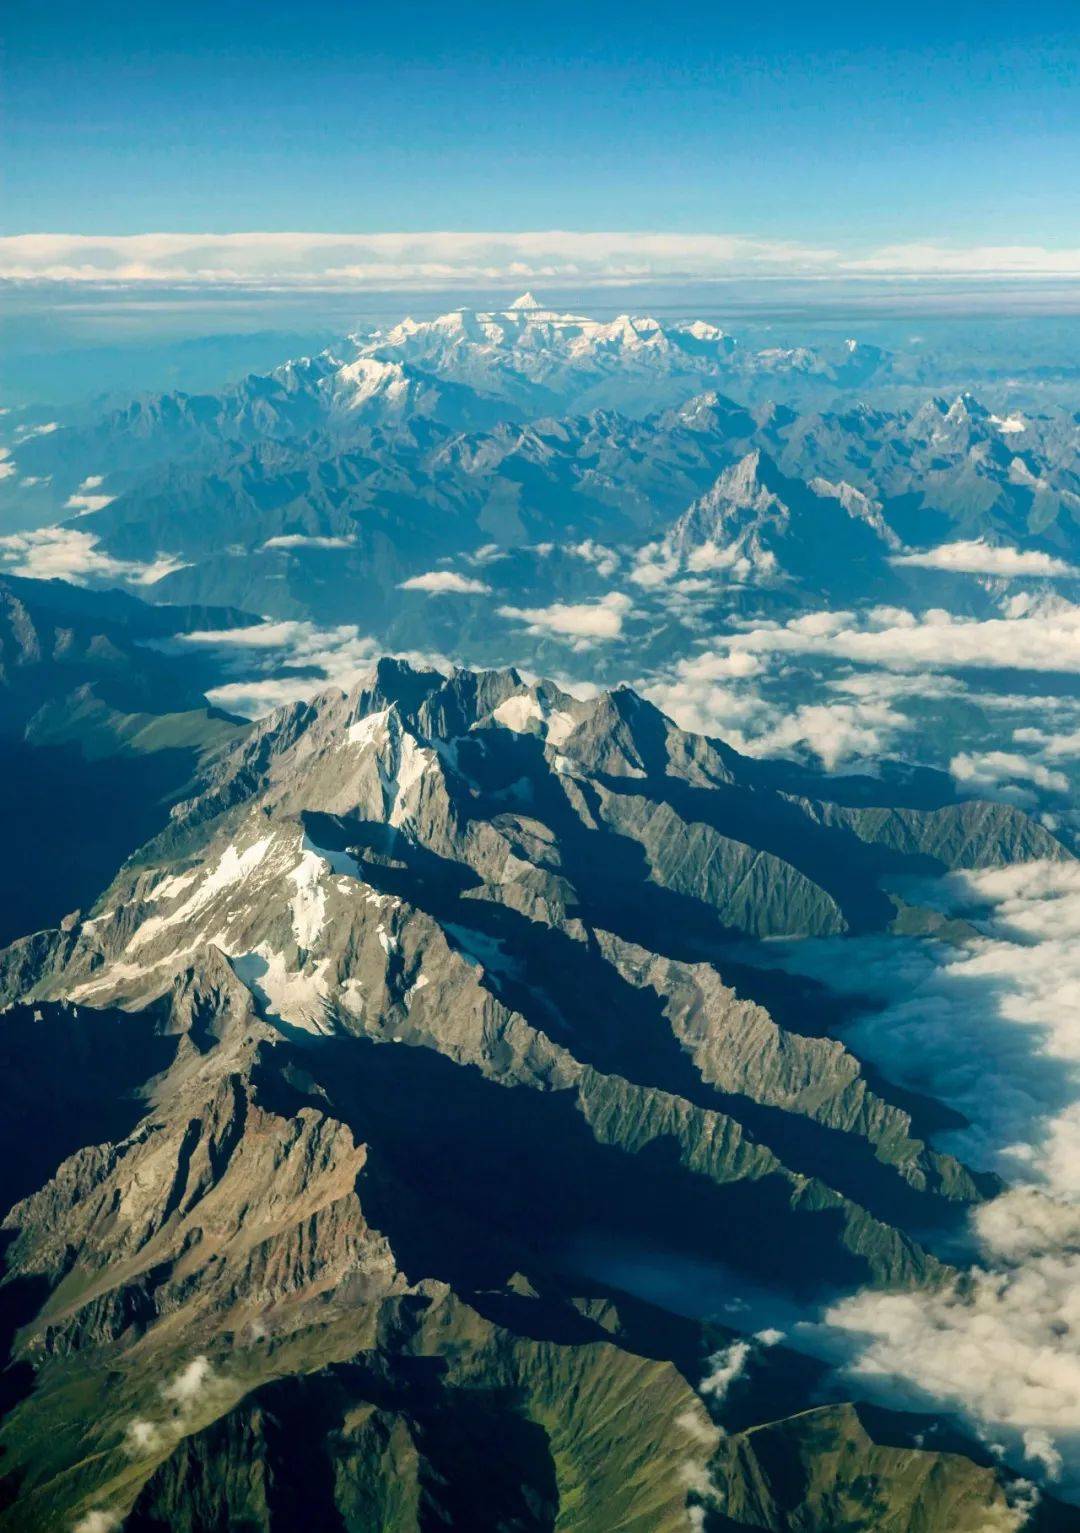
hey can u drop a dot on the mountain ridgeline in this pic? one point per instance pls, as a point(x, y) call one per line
point(398, 1137)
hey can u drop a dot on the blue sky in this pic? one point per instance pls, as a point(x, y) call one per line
point(856, 125)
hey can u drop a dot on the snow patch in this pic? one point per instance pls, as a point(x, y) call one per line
point(309, 902)
point(524, 708)
point(516, 713)
point(420, 983)
point(288, 995)
point(367, 730)
point(232, 868)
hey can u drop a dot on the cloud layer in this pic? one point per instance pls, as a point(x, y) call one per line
point(286, 662)
point(1043, 638)
point(991, 1028)
point(444, 259)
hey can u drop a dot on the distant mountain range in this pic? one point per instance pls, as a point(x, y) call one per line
point(318, 490)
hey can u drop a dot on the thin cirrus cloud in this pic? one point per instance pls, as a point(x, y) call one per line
point(445, 259)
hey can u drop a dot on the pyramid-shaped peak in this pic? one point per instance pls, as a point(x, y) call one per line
point(710, 409)
point(526, 301)
point(966, 407)
point(753, 472)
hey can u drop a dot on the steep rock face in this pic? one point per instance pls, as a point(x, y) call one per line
point(428, 987)
point(766, 527)
point(56, 640)
point(162, 1220)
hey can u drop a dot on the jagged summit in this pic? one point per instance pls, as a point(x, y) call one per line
point(526, 301)
point(745, 483)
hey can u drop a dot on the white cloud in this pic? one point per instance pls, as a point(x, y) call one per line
point(654, 565)
point(281, 663)
point(897, 686)
point(186, 1398)
point(1043, 639)
point(304, 540)
point(724, 1368)
point(487, 553)
point(98, 1520)
point(835, 732)
point(605, 560)
point(708, 695)
point(288, 634)
point(996, 1349)
point(443, 259)
point(83, 505)
point(86, 499)
point(445, 583)
point(995, 774)
point(189, 1384)
point(62, 553)
point(991, 1027)
point(1058, 747)
point(255, 698)
point(1039, 1447)
point(980, 558)
point(588, 621)
point(963, 260)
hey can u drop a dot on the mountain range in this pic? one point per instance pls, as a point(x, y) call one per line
point(547, 459)
point(423, 1035)
point(417, 1114)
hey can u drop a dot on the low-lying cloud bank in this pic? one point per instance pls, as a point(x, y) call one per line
point(1031, 637)
point(440, 259)
point(992, 1028)
point(853, 687)
point(63, 553)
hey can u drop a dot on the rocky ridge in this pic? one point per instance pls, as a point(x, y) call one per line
point(431, 994)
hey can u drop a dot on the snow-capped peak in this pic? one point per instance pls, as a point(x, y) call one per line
point(526, 301)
